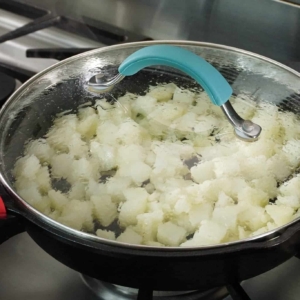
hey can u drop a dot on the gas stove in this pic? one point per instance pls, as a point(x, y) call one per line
point(32, 39)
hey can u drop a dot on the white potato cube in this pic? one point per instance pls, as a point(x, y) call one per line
point(41, 149)
point(200, 212)
point(139, 172)
point(253, 196)
point(106, 234)
point(129, 236)
point(27, 166)
point(32, 195)
point(291, 201)
point(148, 223)
point(43, 179)
point(226, 166)
point(224, 200)
point(278, 166)
point(61, 166)
point(87, 127)
point(130, 153)
point(281, 214)
point(226, 216)
point(291, 188)
point(253, 217)
point(144, 105)
point(136, 204)
point(203, 171)
point(77, 191)
point(267, 184)
point(209, 233)
point(86, 112)
point(170, 234)
point(163, 92)
point(57, 200)
point(183, 96)
point(107, 133)
point(115, 187)
point(292, 151)
point(105, 154)
point(104, 209)
point(78, 215)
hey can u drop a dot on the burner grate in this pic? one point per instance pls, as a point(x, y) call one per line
point(105, 291)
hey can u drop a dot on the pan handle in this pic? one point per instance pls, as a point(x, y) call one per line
point(10, 224)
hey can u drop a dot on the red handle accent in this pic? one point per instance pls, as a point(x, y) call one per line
point(3, 213)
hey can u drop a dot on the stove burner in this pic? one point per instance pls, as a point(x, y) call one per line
point(7, 87)
point(107, 291)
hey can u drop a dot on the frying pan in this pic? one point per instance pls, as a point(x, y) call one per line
point(29, 113)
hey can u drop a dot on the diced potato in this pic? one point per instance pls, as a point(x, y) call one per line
point(106, 234)
point(77, 191)
point(162, 93)
point(136, 204)
point(59, 138)
point(87, 127)
point(105, 210)
point(253, 217)
point(43, 179)
point(199, 213)
point(278, 166)
point(40, 149)
point(281, 214)
point(206, 124)
point(183, 96)
point(139, 172)
point(61, 166)
point(32, 195)
point(130, 237)
point(243, 234)
point(292, 150)
point(147, 224)
point(86, 112)
point(291, 188)
point(253, 196)
point(144, 105)
point(115, 187)
point(260, 231)
point(170, 234)
point(65, 121)
point(57, 200)
point(226, 166)
point(27, 167)
point(105, 154)
point(203, 171)
point(130, 133)
point(267, 184)
point(226, 216)
point(251, 167)
point(83, 170)
point(130, 153)
point(265, 147)
point(107, 133)
point(217, 151)
point(291, 201)
point(78, 215)
point(224, 200)
point(165, 113)
point(209, 233)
